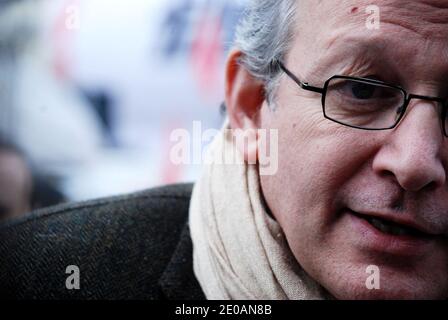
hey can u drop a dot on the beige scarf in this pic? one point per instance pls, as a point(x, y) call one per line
point(239, 251)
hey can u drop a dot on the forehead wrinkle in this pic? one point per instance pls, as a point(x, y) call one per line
point(434, 11)
point(423, 29)
point(430, 58)
point(429, 18)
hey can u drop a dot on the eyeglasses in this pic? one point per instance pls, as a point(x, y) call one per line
point(364, 103)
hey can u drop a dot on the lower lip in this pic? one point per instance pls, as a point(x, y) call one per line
point(376, 240)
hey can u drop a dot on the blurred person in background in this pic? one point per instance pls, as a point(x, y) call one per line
point(22, 187)
point(38, 114)
point(41, 110)
point(16, 183)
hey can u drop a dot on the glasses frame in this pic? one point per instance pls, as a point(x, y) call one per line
point(407, 97)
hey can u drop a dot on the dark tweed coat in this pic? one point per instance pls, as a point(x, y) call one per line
point(128, 247)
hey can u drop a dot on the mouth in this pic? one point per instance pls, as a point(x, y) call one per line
point(386, 234)
point(392, 228)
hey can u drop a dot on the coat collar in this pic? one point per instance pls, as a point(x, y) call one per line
point(178, 281)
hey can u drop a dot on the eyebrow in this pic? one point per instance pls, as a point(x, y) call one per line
point(361, 47)
point(357, 54)
point(368, 43)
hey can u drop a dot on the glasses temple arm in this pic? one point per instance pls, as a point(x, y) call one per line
point(303, 85)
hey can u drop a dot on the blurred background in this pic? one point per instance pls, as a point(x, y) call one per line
point(90, 91)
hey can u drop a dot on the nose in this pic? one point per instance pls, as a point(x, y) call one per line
point(413, 152)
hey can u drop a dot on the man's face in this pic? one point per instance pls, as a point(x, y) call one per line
point(15, 185)
point(332, 180)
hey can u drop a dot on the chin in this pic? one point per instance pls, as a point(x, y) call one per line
point(393, 287)
point(381, 294)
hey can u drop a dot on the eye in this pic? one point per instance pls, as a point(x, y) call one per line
point(362, 91)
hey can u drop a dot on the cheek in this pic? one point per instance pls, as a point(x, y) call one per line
point(316, 158)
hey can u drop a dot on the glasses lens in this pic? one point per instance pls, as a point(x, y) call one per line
point(363, 104)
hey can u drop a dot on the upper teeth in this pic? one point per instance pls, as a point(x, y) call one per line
point(389, 228)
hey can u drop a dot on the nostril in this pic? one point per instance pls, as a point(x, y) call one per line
point(412, 177)
point(431, 186)
point(421, 181)
point(386, 174)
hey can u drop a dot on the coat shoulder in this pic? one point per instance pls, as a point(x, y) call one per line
point(120, 245)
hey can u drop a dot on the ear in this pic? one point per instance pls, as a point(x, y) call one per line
point(244, 97)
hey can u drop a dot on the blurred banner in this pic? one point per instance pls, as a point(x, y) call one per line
point(91, 90)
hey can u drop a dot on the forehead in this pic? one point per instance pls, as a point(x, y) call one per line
point(413, 32)
point(424, 17)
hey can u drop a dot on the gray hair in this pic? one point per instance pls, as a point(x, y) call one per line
point(264, 35)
